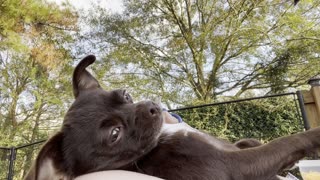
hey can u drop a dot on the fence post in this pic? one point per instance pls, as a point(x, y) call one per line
point(303, 111)
point(11, 163)
point(311, 100)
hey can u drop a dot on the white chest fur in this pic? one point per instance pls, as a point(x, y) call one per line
point(168, 130)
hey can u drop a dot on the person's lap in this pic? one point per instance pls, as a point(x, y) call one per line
point(116, 174)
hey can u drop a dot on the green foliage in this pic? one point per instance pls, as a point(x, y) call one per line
point(200, 50)
point(32, 103)
point(264, 119)
point(35, 68)
point(29, 18)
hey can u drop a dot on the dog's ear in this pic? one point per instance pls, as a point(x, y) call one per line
point(49, 164)
point(82, 79)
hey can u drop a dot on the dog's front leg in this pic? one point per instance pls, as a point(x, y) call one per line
point(267, 160)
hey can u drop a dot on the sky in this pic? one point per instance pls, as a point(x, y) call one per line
point(112, 5)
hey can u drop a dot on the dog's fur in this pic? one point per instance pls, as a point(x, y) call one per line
point(86, 142)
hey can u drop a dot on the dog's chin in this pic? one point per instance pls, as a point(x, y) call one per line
point(154, 141)
point(128, 163)
point(125, 163)
point(146, 147)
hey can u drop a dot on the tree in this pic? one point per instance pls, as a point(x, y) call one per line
point(28, 69)
point(35, 67)
point(31, 18)
point(187, 50)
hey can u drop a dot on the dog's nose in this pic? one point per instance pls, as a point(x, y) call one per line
point(148, 109)
point(154, 109)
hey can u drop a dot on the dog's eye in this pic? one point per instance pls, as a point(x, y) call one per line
point(115, 134)
point(127, 97)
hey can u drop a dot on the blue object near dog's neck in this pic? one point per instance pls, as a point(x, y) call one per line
point(175, 115)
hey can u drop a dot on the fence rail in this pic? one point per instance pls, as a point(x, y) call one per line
point(209, 117)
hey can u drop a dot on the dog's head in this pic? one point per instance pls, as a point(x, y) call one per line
point(102, 130)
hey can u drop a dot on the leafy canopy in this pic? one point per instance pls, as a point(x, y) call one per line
point(186, 50)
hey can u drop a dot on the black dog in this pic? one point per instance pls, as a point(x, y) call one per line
point(102, 130)
point(105, 130)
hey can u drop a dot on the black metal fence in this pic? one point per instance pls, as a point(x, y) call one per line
point(15, 161)
point(264, 118)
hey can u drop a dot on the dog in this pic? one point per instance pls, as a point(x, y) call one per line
point(105, 130)
point(102, 130)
